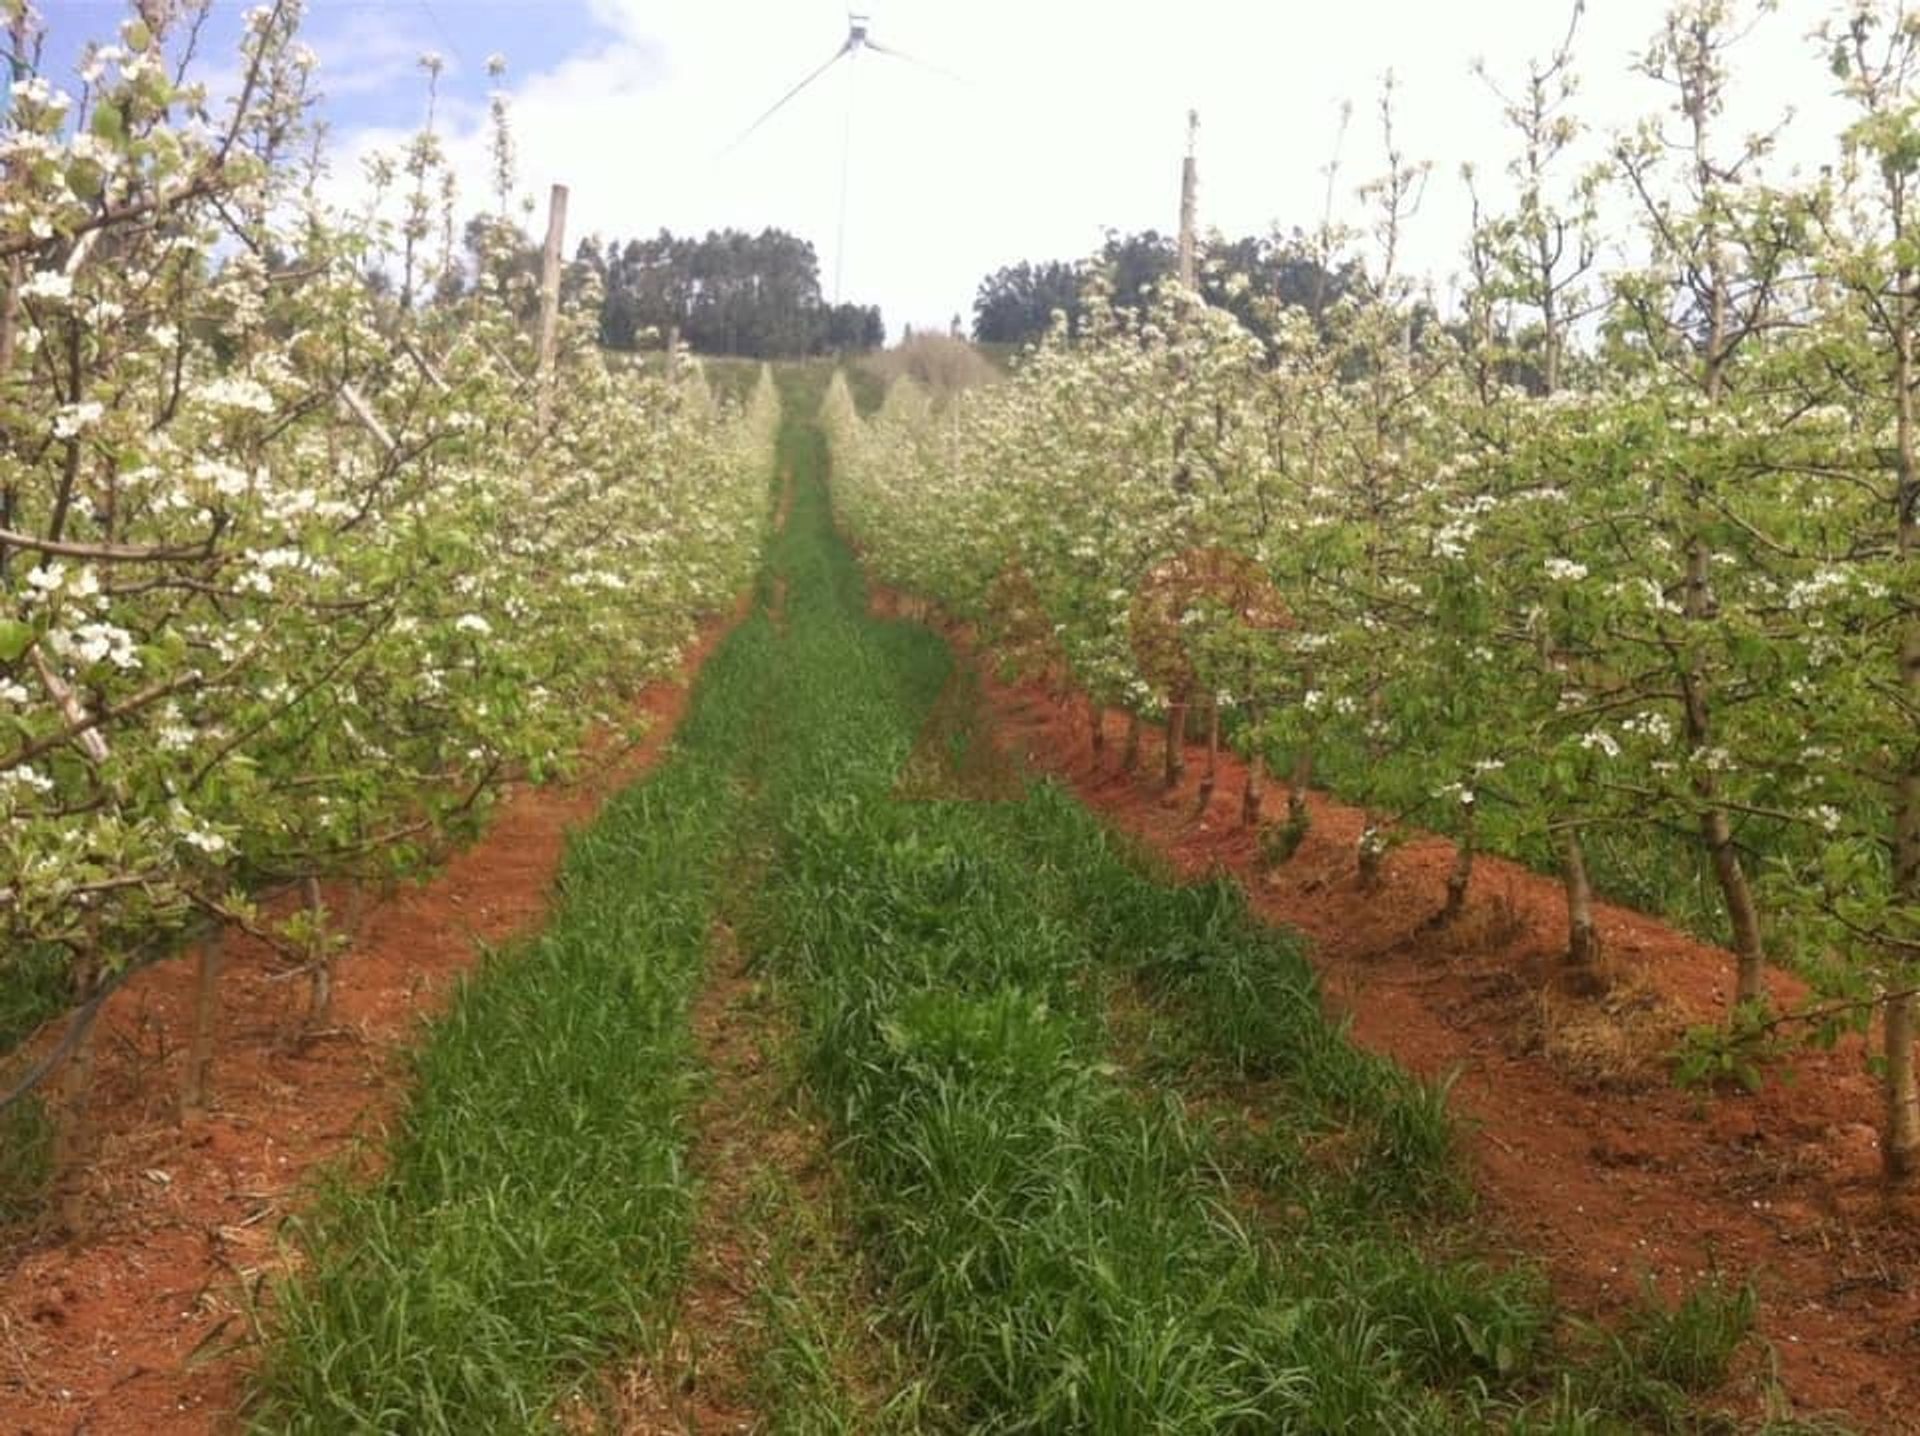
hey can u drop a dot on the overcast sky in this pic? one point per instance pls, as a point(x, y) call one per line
point(1032, 126)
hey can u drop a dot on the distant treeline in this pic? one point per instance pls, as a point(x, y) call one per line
point(1254, 279)
point(756, 295)
point(1015, 305)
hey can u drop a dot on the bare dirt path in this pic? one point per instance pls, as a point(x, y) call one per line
point(1585, 1154)
point(132, 1328)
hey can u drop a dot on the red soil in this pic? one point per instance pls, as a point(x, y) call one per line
point(1585, 1154)
point(112, 1332)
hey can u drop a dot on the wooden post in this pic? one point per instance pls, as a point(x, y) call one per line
point(550, 298)
point(1901, 1151)
point(1189, 184)
point(206, 1015)
point(72, 1121)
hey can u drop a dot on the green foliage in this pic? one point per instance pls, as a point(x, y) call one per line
point(33, 987)
point(1738, 1051)
point(1640, 584)
point(1016, 305)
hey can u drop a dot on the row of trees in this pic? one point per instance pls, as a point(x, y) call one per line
point(1017, 304)
point(731, 292)
point(296, 571)
point(1619, 564)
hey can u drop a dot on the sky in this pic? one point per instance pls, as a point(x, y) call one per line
point(1023, 129)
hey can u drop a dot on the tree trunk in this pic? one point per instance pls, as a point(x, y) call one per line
point(1176, 750)
point(1583, 938)
point(73, 1129)
point(1716, 831)
point(1250, 796)
point(1130, 755)
point(1298, 781)
point(1212, 774)
point(320, 961)
point(1900, 1153)
point(1460, 879)
point(206, 1013)
point(1749, 952)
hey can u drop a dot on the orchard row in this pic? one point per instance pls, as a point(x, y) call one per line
point(304, 551)
point(1615, 569)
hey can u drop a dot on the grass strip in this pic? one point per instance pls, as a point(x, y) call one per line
point(532, 1221)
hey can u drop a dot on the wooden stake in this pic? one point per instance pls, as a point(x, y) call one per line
point(550, 298)
point(73, 1126)
point(1212, 774)
point(1189, 200)
point(1901, 1153)
point(206, 1012)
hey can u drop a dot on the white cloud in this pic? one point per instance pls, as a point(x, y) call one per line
point(1070, 120)
point(365, 53)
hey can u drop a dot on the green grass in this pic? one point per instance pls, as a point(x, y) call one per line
point(533, 1218)
point(1032, 1051)
point(1064, 1252)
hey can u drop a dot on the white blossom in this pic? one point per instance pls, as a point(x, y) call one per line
point(50, 285)
point(1565, 570)
point(1601, 741)
point(236, 393)
point(70, 421)
point(96, 643)
point(227, 480)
